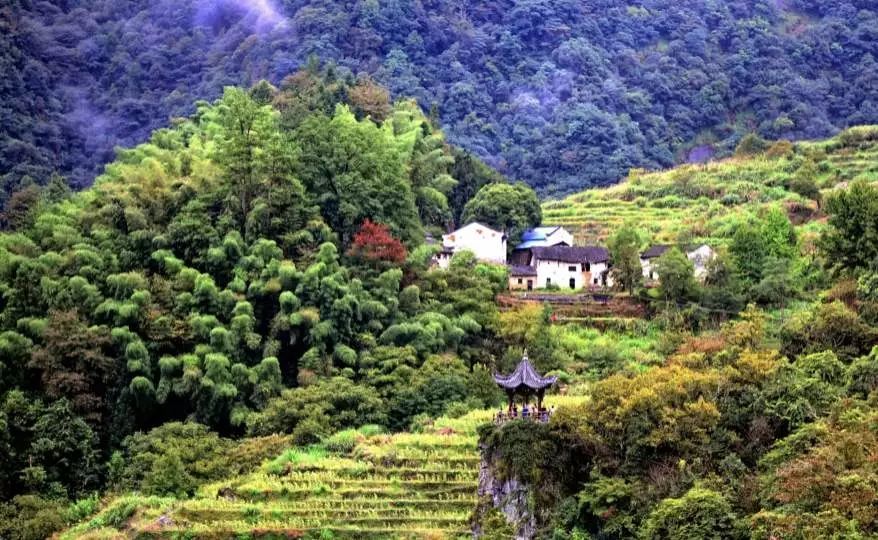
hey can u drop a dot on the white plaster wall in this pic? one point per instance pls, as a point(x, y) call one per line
point(487, 244)
point(646, 266)
point(559, 274)
point(596, 270)
point(559, 236)
point(443, 260)
point(700, 257)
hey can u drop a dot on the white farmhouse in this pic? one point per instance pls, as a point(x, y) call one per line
point(699, 254)
point(486, 244)
point(568, 267)
point(544, 237)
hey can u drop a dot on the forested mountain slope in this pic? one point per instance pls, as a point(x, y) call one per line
point(257, 268)
point(563, 94)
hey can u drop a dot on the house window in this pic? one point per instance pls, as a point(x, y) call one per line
point(595, 281)
point(571, 269)
point(588, 267)
point(519, 281)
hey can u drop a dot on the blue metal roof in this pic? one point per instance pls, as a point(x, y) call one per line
point(536, 237)
point(531, 234)
point(538, 233)
point(530, 243)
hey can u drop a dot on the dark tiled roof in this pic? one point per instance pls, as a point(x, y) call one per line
point(524, 377)
point(655, 251)
point(572, 254)
point(522, 270)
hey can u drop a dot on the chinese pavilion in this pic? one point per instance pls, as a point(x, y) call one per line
point(524, 381)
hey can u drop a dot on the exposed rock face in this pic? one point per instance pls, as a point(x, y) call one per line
point(508, 496)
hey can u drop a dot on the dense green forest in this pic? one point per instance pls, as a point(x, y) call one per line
point(237, 331)
point(258, 268)
point(220, 315)
point(223, 377)
point(562, 94)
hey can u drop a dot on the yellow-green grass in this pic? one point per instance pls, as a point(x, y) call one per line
point(404, 485)
point(707, 202)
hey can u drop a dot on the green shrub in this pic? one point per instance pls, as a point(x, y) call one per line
point(831, 326)
point(83, 508)
point(457, 409)
point(699, 513)
point(172, 459)
point(342, 442)
point(313, 412)
point(115, 516)
point(523, 446)
point(249, 453)
point(823, 365)
point(311, 429)
point(168, 476)
point(370, 430)
point(863, 375)
point(30, 517)
point(295, 458)
point(494, 525)
point(731, 199)
point(609, 500)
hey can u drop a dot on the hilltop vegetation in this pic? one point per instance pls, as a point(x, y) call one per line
point(562, 94)
point(706, 203)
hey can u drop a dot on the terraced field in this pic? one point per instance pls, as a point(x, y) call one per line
point(704, 202)
point(406, 485)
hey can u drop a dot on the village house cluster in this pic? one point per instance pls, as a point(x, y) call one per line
point(547, 258)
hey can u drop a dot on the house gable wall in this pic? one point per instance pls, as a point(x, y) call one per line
point(560, 273)
point(487, 244)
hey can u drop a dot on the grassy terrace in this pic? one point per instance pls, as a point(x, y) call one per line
point(704, 202)
point(406, 485)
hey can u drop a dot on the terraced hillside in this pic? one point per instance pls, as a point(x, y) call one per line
point(704, 202)
point(356, 485)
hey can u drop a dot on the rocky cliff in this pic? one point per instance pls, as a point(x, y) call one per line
point(502, 497)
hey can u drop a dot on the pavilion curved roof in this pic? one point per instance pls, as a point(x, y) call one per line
point(524, 377)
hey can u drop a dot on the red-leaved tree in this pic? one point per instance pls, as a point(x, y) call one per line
point(373, 242)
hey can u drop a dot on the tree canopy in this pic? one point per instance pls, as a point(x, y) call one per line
point(560, 94)
point(225, 272)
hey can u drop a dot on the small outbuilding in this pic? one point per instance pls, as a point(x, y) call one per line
point(699, 254)
point(522, 277)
